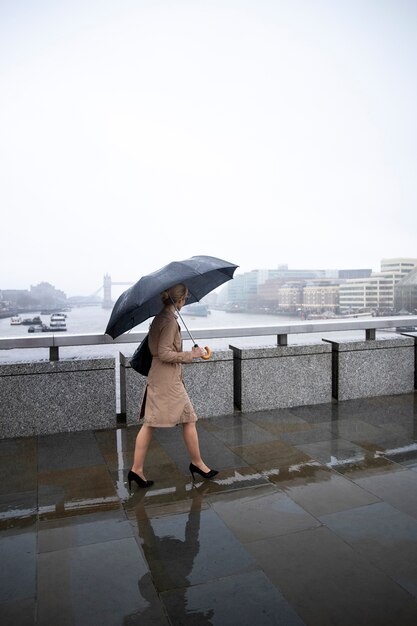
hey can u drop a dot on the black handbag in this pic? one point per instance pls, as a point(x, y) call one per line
point(141, 360)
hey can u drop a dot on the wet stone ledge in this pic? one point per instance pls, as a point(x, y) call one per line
point(381, 367)
point(50, 397)
point(209, 385)
point(281, 377)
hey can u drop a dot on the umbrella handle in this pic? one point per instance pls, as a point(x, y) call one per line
point(208, 352)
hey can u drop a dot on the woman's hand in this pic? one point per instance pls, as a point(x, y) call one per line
point(197, 352)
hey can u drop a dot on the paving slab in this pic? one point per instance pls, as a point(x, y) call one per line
point(310, 520)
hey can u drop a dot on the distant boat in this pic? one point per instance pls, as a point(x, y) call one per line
point(37, 329)
point(58, 321)
point(50, 311)
point(46, 329)
point(16, 320)
point(34, 321)
point(196, 309)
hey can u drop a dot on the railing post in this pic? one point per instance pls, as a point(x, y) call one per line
point(282, 340)
point(370, 334)
point(53, 353)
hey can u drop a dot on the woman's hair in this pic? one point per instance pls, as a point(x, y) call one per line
point(174, 293)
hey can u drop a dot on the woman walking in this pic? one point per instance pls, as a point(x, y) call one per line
point(166, 402)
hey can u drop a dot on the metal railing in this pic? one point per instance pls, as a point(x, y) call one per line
point(369, 326)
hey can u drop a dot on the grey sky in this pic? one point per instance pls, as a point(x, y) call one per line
point(263, 132)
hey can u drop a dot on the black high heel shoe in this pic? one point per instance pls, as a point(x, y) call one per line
point(197, 470)
point(138, 480)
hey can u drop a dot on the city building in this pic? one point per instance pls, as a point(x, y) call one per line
point(405, 293)
point(47, 295)
point(358, 273)
point(15, 298)
point(268, 294)
point(241, 293)
point(375, 293)
point(402, 265)
point(40, 296)
point(289, 290)
point(320, 296)
point(258, 290)
point(290, 297)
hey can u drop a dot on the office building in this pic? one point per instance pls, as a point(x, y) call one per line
point(405, 293)
point(377, 291)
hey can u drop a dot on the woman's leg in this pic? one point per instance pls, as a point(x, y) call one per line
point(189, 432)
point(143, 440)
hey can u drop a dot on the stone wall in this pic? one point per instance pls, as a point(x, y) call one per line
point(380, 367)
point(209, 385)
point(285, 376)
point(69, 395)
point(49, 397)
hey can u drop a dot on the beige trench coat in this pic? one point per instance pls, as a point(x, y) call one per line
point(166, 402)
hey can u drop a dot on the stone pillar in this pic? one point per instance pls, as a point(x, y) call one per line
point(132, 387)
point(382, 367)
point(414, 338)
point(209, 385)
point(60, 396)
point(285, 376)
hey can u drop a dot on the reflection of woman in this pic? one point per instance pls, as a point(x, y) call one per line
point(166, 402)
point(171, 563)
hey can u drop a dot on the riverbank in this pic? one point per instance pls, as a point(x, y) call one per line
point(93, 320)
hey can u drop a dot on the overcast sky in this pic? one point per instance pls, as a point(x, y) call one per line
point(136, 132)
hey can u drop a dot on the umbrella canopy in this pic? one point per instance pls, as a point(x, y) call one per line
point(200, 274)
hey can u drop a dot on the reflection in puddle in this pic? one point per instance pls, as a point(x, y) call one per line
point(16, 514)
point(237, 479)
point(17, 518)
point(412, 447)
point(171, 556)
point(296, 470)
point(335, 462)
point(90, 504)
point(233, 480)
point(298, 467)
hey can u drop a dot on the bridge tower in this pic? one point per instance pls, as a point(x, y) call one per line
point(107, 301)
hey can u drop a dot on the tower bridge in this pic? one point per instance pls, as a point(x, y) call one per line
point(107, 285)
point(107, 302)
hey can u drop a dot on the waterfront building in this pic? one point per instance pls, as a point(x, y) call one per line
point(282, 289)
point(242, 292)
point(47, 295)
point(268, 294)
point(402, 265)
point(283, 292)
point(320, 296)
point(13, 295)
point(377, 291)
point(16, 299)
point(290, 296)
point(358, 273)
point(259, 289)
point(405, 293)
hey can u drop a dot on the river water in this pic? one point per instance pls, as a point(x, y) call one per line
point(93, 320)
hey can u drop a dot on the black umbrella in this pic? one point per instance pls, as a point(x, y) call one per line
point(200, 274)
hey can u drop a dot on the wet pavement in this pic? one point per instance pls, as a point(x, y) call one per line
point(311, 520)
